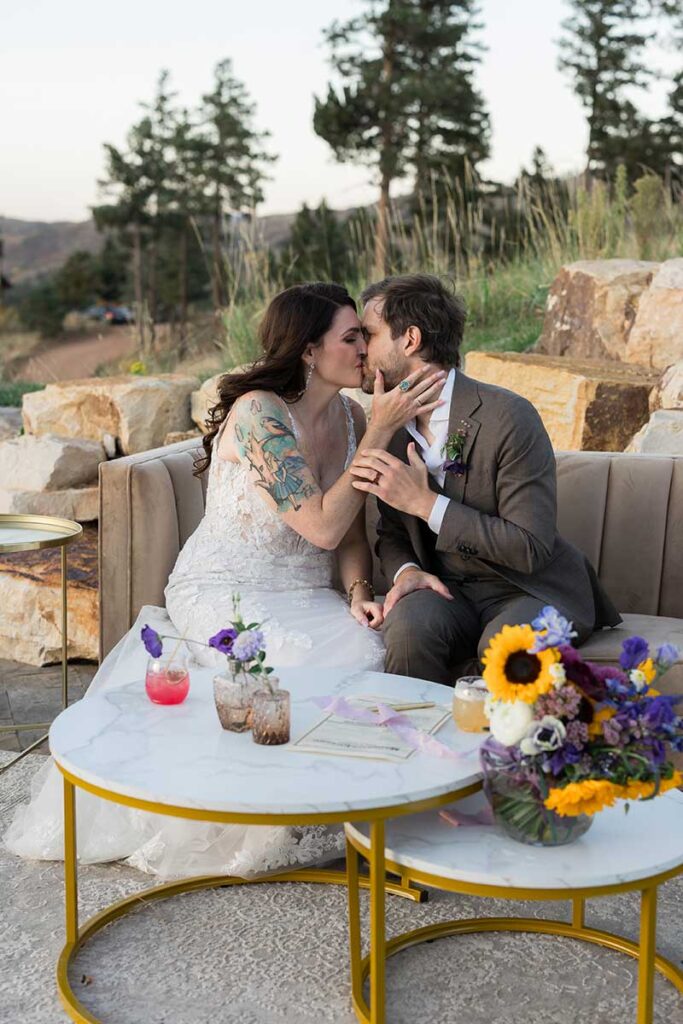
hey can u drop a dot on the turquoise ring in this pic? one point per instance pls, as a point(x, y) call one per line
point(404, 385)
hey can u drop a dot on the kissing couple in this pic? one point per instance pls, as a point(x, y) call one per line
point(464, 476)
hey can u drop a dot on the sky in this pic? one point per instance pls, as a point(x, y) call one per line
point(73, 73)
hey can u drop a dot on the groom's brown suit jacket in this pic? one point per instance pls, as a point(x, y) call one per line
point(502, 513)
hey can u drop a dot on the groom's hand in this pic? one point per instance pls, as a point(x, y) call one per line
point(414, 579)
point(402, 486)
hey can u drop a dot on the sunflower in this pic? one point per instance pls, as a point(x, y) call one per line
point(636, 790)
point(511, 672)
point(586, 797)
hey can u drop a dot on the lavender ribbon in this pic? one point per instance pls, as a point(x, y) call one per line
point(418, 739)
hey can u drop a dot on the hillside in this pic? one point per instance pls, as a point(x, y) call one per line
point(35, 248)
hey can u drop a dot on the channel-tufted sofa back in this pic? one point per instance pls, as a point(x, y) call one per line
point(624, 511)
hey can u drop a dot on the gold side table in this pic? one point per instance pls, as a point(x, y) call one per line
point(31, 533)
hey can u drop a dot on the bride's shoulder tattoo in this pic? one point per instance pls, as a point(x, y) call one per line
point(268, 445)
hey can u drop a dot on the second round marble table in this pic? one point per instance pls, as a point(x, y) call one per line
point(178, 761)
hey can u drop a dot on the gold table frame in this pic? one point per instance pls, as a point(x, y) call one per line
point(373, 965)
point(377, 882)
point(68, 531)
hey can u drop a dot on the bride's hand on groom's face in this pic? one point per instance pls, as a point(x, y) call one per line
point(391, 410)
point(368, 613)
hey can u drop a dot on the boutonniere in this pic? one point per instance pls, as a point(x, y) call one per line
point(453, 450)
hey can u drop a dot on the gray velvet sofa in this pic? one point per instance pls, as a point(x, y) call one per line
point(624, 511)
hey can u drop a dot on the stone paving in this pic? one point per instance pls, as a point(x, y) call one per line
point(30, 694)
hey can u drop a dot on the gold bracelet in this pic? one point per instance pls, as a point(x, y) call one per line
point(359, 582)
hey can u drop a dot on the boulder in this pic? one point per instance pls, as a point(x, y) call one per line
point(592, 307)
point(79, 503)
point(10, 422)
point(182, 435)
point(30, 598)
point(657, 335)
point(137, 411)
point(661, 435)
point(585, 404)
point(203, 399)
point(48, 463)
point(360, 396)
point(669, 392)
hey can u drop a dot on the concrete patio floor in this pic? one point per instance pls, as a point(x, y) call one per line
point(275, 954)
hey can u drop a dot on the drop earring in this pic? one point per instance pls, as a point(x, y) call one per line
point(311, 368)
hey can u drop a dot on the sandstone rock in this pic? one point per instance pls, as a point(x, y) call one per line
point(359, 396)
point(592, 307)
point(137, 411)
point(181, 435)
point(79, 503)
point(669, 392)
point(10, 422)
point(48, 463)
point(30, 598)
point(585, 404)
point(203, 399)
point(662, 435)
point(657, 335)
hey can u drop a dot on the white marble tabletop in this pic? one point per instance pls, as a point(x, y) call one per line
point(619, 847)
point(119, 740)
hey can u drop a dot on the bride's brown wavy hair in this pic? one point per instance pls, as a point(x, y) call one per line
point(295, 319)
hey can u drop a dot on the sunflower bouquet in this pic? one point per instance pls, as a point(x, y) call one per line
point(570, 737)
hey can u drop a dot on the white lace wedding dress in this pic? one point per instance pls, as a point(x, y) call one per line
point(240, 546)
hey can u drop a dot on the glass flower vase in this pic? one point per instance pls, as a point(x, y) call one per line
point(271, 717)
point(167, 679)
point(233, 693)
point(517, 802)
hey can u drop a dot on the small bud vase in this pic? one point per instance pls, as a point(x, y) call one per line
point(233, 693)
point(271, 717)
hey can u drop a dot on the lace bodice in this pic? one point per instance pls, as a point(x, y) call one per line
point(244, 541)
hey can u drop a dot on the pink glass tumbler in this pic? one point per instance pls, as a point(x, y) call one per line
point(167, 681)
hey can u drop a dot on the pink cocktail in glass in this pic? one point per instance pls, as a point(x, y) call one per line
point(166, 683)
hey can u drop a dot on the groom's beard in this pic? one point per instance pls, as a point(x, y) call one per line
point(392, 374)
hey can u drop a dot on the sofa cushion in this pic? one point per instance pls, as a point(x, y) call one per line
point(605, 645)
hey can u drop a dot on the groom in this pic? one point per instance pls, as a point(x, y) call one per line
point(467, 530)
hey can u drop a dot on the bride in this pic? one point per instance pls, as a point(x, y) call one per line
point(280, 506)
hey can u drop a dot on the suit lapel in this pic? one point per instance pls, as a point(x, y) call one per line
point(464, 402)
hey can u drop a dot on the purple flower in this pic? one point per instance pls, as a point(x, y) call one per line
point(658, 712)
point(455, 466)
point(248, 644)
point(567, 754)
point(581, 673)
point(667, 655)
point(152, 641)
point(223, 640)
point(557, 631)
point(633, 650)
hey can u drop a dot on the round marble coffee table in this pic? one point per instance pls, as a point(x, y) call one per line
point(620, 852)
point(179, 761)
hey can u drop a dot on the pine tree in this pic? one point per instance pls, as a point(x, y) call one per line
point(603, 51)
point(234, 162)
point(318, 246)
point(406, 103)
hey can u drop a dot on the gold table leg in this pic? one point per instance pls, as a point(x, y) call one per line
point(646, 958)
point(377, 924)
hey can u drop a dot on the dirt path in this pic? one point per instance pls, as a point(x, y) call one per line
point(70, 360)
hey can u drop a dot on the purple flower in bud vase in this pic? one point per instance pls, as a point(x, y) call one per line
point(152, 641)
point(633, 651)
point(557, 631)
point(224, 640)
point(248, 644)
point(667, 655)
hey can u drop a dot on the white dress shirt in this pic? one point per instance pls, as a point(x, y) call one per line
point(433, 456)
